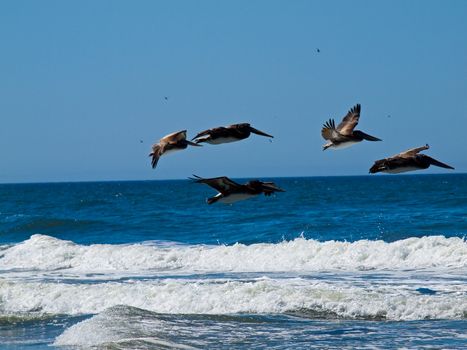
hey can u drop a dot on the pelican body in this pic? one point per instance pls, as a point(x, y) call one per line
point(169, 144)
point(231, 191)
point(232, 133)
point(409, 160)
point(344, 135)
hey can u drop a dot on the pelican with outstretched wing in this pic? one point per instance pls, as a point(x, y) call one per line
point(231, 191)
point(232, 133)
point(409, 160)
point(344, 135)
point(168, 144)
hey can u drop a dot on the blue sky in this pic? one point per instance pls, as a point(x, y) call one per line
point(82, 82)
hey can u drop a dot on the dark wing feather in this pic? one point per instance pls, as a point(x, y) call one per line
point(202, 133)
point(220, 131)
point(155, 154)
point(329, 131)
point(271, 187)
point(350, 121)
point(222, 184)
point(239, 126)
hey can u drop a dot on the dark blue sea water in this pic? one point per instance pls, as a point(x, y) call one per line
point(334, 262)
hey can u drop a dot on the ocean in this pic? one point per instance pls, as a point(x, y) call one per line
point(334, 262)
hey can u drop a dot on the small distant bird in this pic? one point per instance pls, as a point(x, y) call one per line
point(140, 141)
point(232, 133)
point(406, 161)
point(344, 135)
point(166, 98)
point(231, 192)
point(318, 50)
point(168, 144)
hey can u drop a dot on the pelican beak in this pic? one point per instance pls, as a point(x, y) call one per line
point(259, 132)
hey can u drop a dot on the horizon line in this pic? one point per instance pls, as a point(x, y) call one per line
point(233, 177)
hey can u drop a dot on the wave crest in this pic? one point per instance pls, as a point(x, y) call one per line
point(308, 298)
point(42, 252)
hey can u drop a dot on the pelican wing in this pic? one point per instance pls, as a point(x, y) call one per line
point(157, 150)
point(202, 133)
point(411, 152)
point(270, 187)
point(222, 184)
point(233, 126)
point(350, 121)
point(174, 137)
point(329, 131)
point(218, 132)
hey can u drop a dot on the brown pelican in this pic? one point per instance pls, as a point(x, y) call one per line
point(231, 192)
point(232, 133)
point(169, 144)
point(344, 135)
point(406, 161)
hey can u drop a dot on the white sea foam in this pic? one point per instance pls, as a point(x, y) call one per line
point(344, 293)
point(42, 252)
point(392, 301)
point(126, 326)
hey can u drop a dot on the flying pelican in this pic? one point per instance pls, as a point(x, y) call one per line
point(344, 135)
point(231, 192)
point(168, 144)
point(406, 161)
point(232, 133)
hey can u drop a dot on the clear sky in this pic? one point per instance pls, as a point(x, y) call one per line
point(82, 82)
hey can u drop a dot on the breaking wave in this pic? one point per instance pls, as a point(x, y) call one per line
point(360, 280)
point(42, 252)
point(123, 327)
point(305, 297)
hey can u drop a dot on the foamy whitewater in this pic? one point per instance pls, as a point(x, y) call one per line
point(300, 255)
point(129, 272)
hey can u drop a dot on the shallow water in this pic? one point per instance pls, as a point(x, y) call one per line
point(335, 262)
